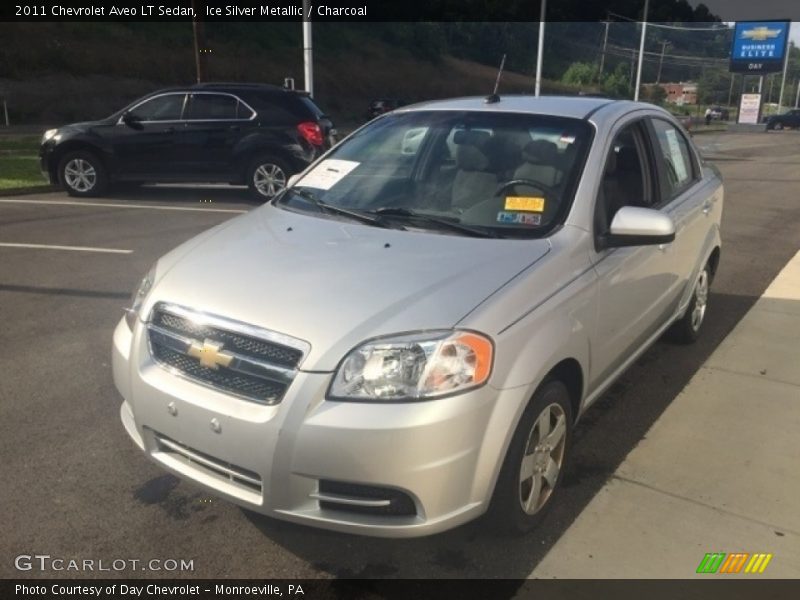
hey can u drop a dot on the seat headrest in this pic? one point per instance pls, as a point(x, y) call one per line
point(540, 152)
point(470, 137)
point(611, 164)
point(628, 159)
point(470, 158)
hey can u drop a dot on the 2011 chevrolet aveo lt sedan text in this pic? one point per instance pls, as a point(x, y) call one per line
point(404, 338)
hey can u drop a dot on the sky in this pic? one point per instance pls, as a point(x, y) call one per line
point(750, 10)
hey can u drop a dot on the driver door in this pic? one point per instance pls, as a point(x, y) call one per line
point(635, 283)
point(150, 147)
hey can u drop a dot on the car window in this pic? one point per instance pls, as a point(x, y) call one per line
point(497, 171)
point(624, 180)
point(167, 107)
point(672, 150)
point(210, 107)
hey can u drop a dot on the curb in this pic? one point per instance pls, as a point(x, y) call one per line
point(36, 189)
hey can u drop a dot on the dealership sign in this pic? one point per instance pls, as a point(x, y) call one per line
point(759, 46)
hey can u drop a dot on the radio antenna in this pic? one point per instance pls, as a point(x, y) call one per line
point(494, 97)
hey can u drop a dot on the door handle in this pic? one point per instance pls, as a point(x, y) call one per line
point(234, 128)
point(663, 247)
point(707, 208)
point(170, 130)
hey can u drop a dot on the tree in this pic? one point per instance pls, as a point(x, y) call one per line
point(579, 74)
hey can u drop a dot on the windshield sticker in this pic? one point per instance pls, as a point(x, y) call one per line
point(526, 203)
point(676, 157)
point(511, 218)
point(328, 173)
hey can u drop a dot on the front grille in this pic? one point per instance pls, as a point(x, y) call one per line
point(240, 343)
point(209, 464)
point(235, 358)
point(341, 496)
point(268, 392)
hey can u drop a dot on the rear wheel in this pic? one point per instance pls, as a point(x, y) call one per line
point(687, 329)
point(82, 174)
point(267, 176)
point(534, 465)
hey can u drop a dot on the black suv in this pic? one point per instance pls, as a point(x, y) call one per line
point(236, 133)
point(787, 119)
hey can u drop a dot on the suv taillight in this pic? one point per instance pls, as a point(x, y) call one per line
point(311, 132)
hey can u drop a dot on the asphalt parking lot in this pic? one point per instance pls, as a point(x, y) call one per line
point(76, 486)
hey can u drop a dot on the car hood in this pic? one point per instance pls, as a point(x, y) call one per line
point(336, 283)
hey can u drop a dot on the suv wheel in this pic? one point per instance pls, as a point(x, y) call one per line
point(82, 174)
point(534, 465)
point(778, 126)
point(687, 329)
point(267, 176)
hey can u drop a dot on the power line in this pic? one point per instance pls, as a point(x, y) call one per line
point(723, 27)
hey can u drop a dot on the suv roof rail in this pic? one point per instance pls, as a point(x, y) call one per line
point(237, 84)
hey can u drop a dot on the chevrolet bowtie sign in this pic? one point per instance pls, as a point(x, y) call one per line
point(759, 47)
point(210, 355)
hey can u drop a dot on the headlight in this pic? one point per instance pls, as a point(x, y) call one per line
point(414, 367)
point(48, 134)
point(139, 294)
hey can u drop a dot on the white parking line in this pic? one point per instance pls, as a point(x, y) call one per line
point(112, 205)
point(68, 248)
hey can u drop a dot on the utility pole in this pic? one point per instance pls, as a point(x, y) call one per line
point(200, 45)
point(771, 83)
point(796, 94)
point(730, 91)
point(308, 51)
point(540, 48)
point(783, 82)
point(661, 60)
point(641, 53)
point(603, 54)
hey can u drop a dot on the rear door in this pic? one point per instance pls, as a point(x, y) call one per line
point(215, 122)
point(682, 195)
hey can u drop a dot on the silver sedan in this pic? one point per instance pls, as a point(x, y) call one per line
point(404, 339)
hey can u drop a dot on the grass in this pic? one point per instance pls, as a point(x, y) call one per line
point(19, 162)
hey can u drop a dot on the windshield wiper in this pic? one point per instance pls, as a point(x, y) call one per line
point(446, 223)
point(363, 217)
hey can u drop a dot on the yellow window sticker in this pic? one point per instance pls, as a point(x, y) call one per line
point(526, 203)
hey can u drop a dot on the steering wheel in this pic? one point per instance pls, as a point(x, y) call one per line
point(548, 190)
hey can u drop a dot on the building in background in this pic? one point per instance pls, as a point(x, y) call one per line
point(681, 93)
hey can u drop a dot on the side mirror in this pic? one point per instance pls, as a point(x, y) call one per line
point(292, 180)
point(635, 226)
point(132, 121)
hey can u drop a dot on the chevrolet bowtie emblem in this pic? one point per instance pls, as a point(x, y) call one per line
point(209, 353)
point(759, 34)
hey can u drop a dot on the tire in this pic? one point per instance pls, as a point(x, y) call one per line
point(266, 176)
point(514, 509)
point(687, 329)
point(82, 174)
point(778, 126)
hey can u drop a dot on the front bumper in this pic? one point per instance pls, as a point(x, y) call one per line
point(443, 454)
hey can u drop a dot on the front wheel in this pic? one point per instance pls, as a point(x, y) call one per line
point(533, 469)
point(687, 329)
point(266, 177)
point(82, 174)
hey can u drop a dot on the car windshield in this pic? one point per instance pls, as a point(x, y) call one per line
point(456, 172)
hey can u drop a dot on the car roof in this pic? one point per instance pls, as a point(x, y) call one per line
point(577, 107)
point(229, 87)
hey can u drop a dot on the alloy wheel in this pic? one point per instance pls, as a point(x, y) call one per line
point(80, 175)
point(700, 300)
point(543, 458)
point(269, 179)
